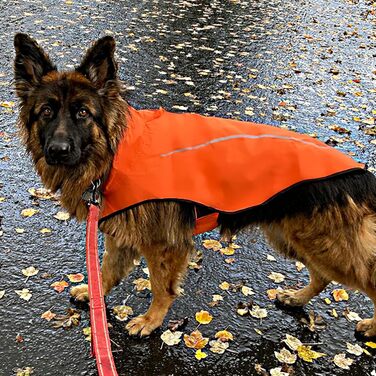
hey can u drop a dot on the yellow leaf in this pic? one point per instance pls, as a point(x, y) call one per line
point(272, 293)
point(258, 312)
point(45, 231)
point(200, 355)
point(7, 104)
point(340, 294)
point(372, 345)
point(228, 251)
point(224, 286)
point(292, 342)
point(20, 230)
point(247, 291)
point(327, 301)
point(29, 212)
point(215, 245)
point(217, 297)
point(204, 317)
point(218, 347)
point(224, 336)
point(308, 355)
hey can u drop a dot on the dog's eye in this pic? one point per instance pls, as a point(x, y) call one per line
point(46, 111)
point(82, 113)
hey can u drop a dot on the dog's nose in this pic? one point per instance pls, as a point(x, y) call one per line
point(59, 150)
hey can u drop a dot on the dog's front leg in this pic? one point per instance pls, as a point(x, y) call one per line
point(167, 267)
point(117, 263)
point(368, 326)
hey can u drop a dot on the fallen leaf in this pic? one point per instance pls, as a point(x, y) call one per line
point(45, 231)
point(195, 340)
point(372, 345)
point(224, 336)
point(20, 230)
point(247, 291)
point(24, 294)
point(292, 342)
point(59, 286)
point(42, 193)
point(174, 325)
point(224, 286)
point(308, 355)
point(171, 338)
point(72, 318)
point(218, 347)
point(2, 293)
point(341, 361)
point(270, 258)
point(272, 293)
point(228, 251)
point(29, 212)
point(299, 266)
point(278, 372)
point(285, 356)
point(62, 216)
point(48, 315)
point(340, 294)
point(354, 349)
point(24, 371)
point(200, 355)
point(142, 284)
point(351, 316)
point(30, 271)
point(276, 277)
point(217, 298)
point(87, 333)
point(122, 312)
point(258, 312)
point(75, 278)
point(215, 245)
point(203, 317)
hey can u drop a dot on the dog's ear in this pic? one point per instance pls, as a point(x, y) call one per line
point(99, 64)
point(30, 65)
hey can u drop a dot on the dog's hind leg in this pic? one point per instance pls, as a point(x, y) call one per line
point(298, 298)
point(117, 263)
point(167, 267)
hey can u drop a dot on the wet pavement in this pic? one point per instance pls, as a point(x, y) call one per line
point(305, 65)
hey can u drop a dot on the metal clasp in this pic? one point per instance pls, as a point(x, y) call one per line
point(91, 195)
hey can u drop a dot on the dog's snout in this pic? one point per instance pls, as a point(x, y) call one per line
point(59, 149)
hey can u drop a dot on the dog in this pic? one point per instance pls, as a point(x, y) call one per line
point(72, 123)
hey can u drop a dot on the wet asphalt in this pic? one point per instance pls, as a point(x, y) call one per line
point(305, 65)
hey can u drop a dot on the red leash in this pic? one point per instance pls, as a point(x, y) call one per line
point(100, 339)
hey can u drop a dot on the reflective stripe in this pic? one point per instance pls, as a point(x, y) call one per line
point(235, 136)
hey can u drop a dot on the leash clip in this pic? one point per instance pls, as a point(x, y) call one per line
point(91, 195)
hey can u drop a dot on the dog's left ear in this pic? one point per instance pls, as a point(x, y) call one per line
point(99, 65)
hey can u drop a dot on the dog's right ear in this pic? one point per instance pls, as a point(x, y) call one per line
point(30, 65)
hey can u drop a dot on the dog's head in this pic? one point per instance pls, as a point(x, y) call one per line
point(64, 116)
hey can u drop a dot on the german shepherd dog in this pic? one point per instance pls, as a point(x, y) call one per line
point(71, 124)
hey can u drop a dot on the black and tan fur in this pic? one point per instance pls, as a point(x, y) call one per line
point(329, 225)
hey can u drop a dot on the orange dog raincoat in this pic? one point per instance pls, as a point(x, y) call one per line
point(224, 164)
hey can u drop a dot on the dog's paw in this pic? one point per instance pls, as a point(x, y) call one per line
point(367, 327)
point(291, 298)
point(143, 325)
point(80, 293)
